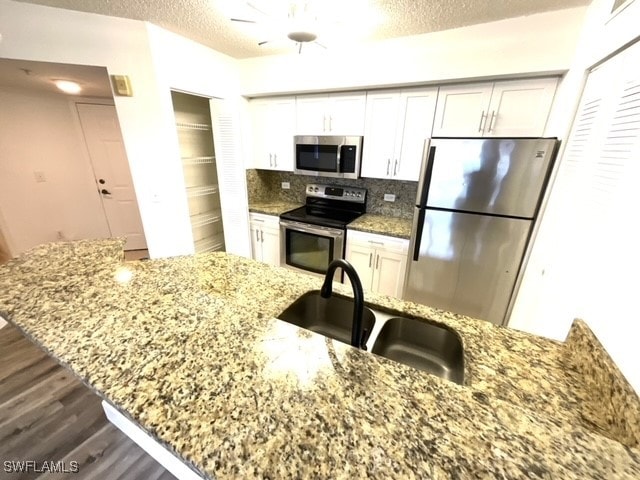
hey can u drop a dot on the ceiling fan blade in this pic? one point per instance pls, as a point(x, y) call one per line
point(242, 20)
point(320, 45)
point(250, 4)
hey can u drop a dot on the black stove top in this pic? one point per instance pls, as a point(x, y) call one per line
point(329, 206)
point(322, 217)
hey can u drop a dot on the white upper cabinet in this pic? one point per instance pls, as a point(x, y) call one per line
point(273, 123)
point(520, 108)
point(396, 126)
point(334, 114)
point(517, 108)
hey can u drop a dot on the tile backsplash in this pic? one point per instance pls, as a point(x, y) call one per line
point(265, 186)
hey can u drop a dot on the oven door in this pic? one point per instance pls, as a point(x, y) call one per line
point(310, 248)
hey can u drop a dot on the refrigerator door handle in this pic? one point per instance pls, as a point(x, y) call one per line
point(418, 234)
point(429, 155)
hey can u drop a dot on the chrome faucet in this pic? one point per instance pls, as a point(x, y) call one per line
point(357, 335)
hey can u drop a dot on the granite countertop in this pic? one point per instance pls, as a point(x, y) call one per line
point(273, 208)
point(383, 225)
point(189, 349)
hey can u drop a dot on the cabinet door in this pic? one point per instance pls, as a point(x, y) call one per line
point(262, 155)
point(270, 238)
point(380, 133)
point(281, 129)
point(415, 123)
point(361, 257)
point(345, 114)
point(462, 110)
point(256, 244)
point(389, 270)
point(520, 108)
point(311, 117)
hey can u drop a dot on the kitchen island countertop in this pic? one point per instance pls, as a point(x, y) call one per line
point(189, 349)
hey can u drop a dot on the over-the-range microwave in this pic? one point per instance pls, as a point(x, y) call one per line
point(328, 156)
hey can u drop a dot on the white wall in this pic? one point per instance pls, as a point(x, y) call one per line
point(184, 65)
point(41, 132)
point(39, 33)
point(553, 293)
point(536, 44)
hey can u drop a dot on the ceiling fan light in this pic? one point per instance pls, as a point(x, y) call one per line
point(302, 36)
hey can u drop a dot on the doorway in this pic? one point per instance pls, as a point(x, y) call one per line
point(64, 173)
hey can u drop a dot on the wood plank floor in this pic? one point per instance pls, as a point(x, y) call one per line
point(47, 415)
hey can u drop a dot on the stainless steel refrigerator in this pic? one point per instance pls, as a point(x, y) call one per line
point(476, 204)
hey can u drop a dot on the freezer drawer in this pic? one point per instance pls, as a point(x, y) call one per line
point(467, 263)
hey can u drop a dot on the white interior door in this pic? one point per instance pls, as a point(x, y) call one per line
point(111, 169)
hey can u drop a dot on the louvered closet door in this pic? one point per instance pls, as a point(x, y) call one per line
point(613, 195)
point(231, 177)
point(590, 225)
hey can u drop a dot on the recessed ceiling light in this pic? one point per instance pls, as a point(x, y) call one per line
point(68, 87)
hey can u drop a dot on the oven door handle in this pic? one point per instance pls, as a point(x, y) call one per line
point(315, 229)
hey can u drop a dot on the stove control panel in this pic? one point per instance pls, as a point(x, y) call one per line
point(335, 192)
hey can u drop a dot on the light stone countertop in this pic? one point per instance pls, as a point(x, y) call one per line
point(273, 208)
point(189, 349)
point(383, 225)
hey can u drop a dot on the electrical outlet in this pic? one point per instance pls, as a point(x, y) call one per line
point(39, 176)
point(389, 197)
point(286, 185)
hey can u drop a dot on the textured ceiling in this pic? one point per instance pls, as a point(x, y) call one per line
point(39, 76)
point(207, 21)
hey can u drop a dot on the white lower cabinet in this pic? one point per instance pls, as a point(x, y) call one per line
point(265, 238)
point(380, 261)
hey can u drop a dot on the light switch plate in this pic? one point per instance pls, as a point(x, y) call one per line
point(389, 197)
point(285, 185)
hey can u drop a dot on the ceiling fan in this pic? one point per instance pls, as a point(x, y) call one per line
point(298, 20)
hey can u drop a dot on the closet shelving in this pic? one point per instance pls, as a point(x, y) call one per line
point(194, 127)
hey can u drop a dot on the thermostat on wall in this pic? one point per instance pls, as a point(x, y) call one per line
point(122, 85)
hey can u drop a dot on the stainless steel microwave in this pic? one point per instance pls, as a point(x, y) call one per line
point(328, 156)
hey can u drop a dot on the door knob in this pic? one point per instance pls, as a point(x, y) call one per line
point(102, 181)
point(104, 191)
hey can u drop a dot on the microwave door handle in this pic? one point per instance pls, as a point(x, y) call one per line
point(338, 169)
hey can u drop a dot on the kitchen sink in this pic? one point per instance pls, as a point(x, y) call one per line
point(422, 345)
point(331, 317)
point(419, 344)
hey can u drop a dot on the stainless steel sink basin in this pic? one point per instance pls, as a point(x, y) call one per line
point(422, 345)
point(416, 343)
point(332, 317)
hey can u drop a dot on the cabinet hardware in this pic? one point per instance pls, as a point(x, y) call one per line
point(388, 166)
point(493, 117)
point(275, 159)
point(395, 168)
point(376, 243)
point(330, 122)
point(261, 236)
point(324, 123)
point(270, 160)
point(104, 191)
point(377, 261)
point(482, 118)
point(257, 235)
point(370, 259)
